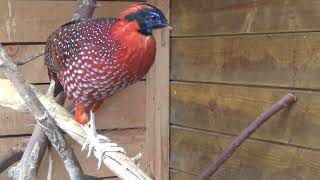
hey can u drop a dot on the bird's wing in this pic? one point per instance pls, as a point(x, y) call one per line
point(54, 57)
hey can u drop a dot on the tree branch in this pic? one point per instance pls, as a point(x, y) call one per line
point(226, 154)
point(43, 118)
point(121, 165)
point(84, 9)
point(27, 169)
point(117, 162)
point(29, 164)
point(28, 172)
point(11, 157)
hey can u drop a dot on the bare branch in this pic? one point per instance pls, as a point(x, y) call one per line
point(30, 172)
point(50, 160)
point(12, 155)
point(118, 163)
point(27, 169)
point(29, 164)
point(43, 118)
point(121, 165)
point(9, 159)
point(84, 9)
point(226, 154)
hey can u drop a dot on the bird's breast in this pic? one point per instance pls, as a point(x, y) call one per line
point(137, 51)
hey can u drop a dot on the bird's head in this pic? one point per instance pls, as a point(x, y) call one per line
point(146, 16)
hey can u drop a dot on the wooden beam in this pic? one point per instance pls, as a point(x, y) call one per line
point(157, 113)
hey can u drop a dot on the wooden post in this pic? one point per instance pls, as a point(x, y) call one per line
point(157, 105)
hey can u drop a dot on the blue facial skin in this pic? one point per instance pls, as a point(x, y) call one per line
point(148, 19)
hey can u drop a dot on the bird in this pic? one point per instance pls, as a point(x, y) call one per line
point(93, 59)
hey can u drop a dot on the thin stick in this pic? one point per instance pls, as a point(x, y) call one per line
point(226, 154)
point(50, 162)
point(29, 59)
point(12, 155)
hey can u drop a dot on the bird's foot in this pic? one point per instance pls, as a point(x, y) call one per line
point(99, 143)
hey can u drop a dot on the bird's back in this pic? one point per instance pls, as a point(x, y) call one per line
point(69, 40)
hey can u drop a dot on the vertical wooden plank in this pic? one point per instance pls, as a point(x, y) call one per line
point(157, 95)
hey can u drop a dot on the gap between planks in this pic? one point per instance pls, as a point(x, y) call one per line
point(243, 34)
point(223, 84)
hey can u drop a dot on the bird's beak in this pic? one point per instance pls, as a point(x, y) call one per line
point(167, 26)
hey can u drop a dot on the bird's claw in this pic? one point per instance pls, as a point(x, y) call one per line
point(101, 148)
point(101, 144)
point(108, 147)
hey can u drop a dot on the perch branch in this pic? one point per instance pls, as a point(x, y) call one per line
point(27, 169)
point(38, 136)
point(43, 118)
point(29, 164)
point(226, 154)
point(11, 157)
point(50, 160)
point(117, 162)
point(28, 172)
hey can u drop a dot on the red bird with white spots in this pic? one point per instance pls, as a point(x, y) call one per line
point(92, 59)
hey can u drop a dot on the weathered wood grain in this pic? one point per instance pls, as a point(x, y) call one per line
point(132, 140)
point(228, 109)
point(124, 110)
point(33, 21)
point(216, 17)
point(157, 105)
point(286, 60)
point(192, 151)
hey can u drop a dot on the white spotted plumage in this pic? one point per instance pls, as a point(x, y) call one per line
point(83, 62)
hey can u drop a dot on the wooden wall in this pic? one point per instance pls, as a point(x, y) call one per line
point(230, 61)
point(24, 27)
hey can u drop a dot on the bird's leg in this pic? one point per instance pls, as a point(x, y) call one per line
point(99, 142)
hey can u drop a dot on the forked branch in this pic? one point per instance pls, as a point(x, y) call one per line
point(42, 116)
point(29, 164)
point(121, 165)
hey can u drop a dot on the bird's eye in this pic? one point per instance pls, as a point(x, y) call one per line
point(153, 17)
